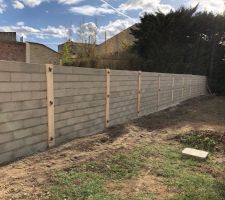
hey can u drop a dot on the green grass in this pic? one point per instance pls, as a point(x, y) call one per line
point(88, 181)
point(181, 173)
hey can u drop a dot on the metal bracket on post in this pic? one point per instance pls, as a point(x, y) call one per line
point(50, 105)
point(173, 79)
point(139, 93)
point(159, 88)
point(107, 98)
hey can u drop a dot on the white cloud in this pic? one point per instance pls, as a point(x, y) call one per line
point(114, 27)
point(17, 5)
point(69, 2)
point(2, 6)
point(57, 32)
point(215, 6)
point(91, 10)
point(145, 6)
point(20, 4)
point(31, 3)
point(87, 31)
point(20, 24)
point(25, 31)
point(22, 31)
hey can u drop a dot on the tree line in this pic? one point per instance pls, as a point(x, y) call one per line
point(183, 41)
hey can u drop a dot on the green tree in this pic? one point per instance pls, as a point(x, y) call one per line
point(66, 56)
point(182, 41)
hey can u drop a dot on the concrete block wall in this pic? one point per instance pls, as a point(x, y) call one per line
point(149, 93)
point(79, 102)
point(123, 98)
point(23, 113)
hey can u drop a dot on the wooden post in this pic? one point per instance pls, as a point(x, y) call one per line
point(139, 93)
point(107, 98)
point(183, 87)
point(173, 79)
point(159, 88)
point(50, 105)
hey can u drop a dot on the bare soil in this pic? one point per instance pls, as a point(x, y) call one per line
point(29, 178)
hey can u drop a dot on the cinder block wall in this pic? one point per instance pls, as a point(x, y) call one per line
point(123, 99)
point(23, 113)
point(79, 102)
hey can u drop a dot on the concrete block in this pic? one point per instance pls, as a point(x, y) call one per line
point(39, 147)
point(31, 122)
point(10, 87)
point(10, 146)
point(21, 96)
point(40, 129)
point(31, 86)
point(24, 151)
point(22, 133)
point(195, 153)
point(36, 139)
point(5, 76)
point(6, 137)
point(11, 126)
point(39, 112)
point(31, 104)
point(38, 77)
point(20, 77)
point(39, 95)
point(6, 157)
point(5, 97)
point(10, 106)
point(15, 116)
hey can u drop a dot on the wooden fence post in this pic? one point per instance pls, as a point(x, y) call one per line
point(182, 87)
point(173, 79)
point(50, 105)
point(107, 98)
point(190, 86)
point(139, 93)
point(159, 88)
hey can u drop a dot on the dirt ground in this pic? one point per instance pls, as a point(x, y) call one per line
point(30, 177)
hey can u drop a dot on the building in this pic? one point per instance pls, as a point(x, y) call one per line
point(113, 46)
point(29, 52)
point(39, 53)
point(8, 36)
point(117, 44)
point(77, 49)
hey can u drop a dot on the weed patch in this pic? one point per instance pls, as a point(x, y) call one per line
point(204, 140)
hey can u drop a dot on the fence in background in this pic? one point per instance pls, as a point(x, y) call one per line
point(45, 105)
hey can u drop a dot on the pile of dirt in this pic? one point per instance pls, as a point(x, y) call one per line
point(220, 175)
point(203, 139)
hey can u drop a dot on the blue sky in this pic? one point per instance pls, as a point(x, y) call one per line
point(50, 21)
